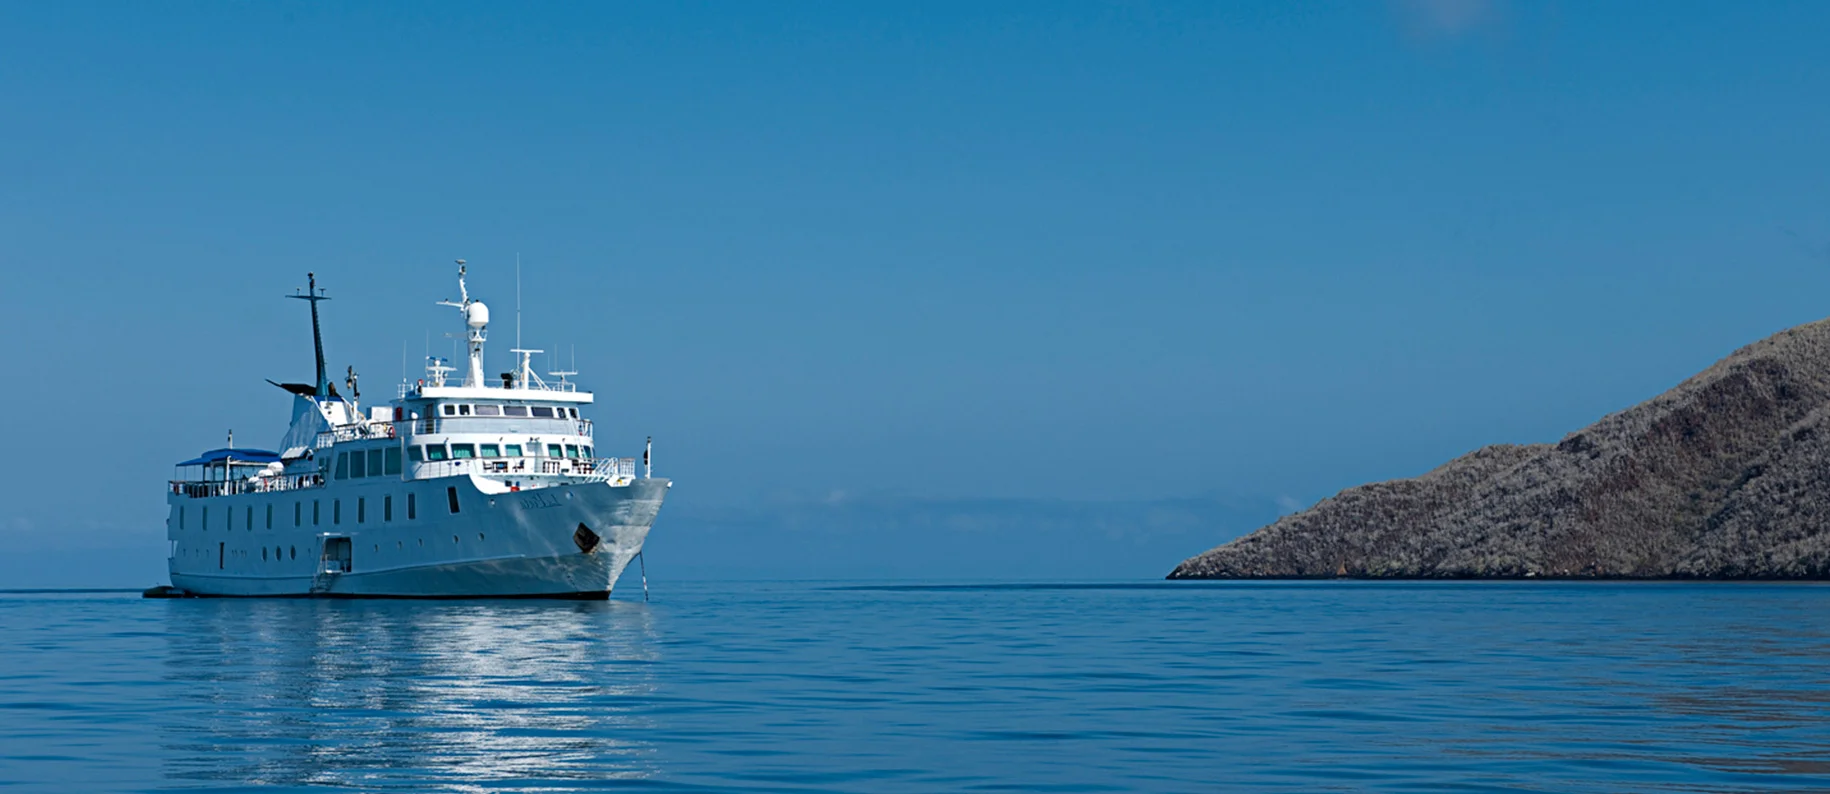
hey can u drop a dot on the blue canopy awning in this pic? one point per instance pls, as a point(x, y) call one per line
point(239, 455)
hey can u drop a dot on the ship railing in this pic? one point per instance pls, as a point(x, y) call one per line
point(361, 431)
point(200, 489)
point(616, 468)
point(525, 466)
point(403, 389)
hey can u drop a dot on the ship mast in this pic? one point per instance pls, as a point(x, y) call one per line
point(313, 294)
point(476, 326)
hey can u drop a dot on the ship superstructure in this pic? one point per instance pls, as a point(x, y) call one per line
point(475, 489)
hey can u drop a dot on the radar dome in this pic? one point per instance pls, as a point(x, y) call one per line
point(477, 315)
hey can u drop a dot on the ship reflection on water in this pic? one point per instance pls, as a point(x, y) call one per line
point(502, 696)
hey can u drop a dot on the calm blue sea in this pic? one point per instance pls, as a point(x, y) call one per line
point(833, 687)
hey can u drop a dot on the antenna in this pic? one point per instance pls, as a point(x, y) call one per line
point(313, 295)
point(517, 299)
point(560, 372)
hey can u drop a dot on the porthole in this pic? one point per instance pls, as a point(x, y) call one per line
point(479, 536)
point(454, 539)
point(295, 551)
point(263, 554)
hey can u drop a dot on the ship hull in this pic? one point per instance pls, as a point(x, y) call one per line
point(463, 538)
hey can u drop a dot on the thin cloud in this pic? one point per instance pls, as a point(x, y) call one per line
point(1446, 18)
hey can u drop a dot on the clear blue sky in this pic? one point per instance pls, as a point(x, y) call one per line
point(836, 251)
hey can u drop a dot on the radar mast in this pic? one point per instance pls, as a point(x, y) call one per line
point(476, 327)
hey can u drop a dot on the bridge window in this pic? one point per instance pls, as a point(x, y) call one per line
point(463, 410)
point(571, 451)
point(554, 451)
point(572, 412)
point(512, 450)
point(542, 411)
point(462, 451)
point(392, 461)
point(514, 410)
point(489, 410)
point(490, 451)
point(587, 451)
point(415, 454)
point(449, 410)
point(375, 462)
point(435, 452)
point(358, 466)
point(342, 466)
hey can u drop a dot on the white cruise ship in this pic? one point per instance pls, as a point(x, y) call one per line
point(487, 488)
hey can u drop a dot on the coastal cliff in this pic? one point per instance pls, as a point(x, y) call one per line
point(1725, 476)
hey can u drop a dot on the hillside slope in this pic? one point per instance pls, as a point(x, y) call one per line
point(1725, 476)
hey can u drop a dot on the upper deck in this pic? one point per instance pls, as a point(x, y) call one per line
point(526, 432)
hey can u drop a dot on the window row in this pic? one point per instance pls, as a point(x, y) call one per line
point(484, 409)
point(437, 452)
point(317, 512)
point(379, 462)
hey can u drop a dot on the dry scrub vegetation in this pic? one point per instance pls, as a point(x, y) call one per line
point(1724, 476)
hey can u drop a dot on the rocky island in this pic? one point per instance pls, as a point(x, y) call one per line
point(1726, 476)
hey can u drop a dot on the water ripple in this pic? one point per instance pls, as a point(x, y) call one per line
point(1156, 686)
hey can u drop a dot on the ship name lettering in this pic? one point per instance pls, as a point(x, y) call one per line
point(538, 501)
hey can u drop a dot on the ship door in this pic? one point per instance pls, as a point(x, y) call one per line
point(336, 558)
